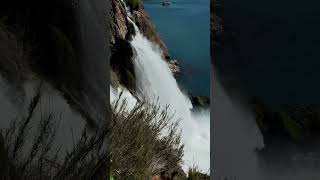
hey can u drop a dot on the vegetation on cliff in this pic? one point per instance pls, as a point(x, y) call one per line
point(134, 4)
point(216, 24)
point(296, 122)
point(195, 174)
point(200, 101)
point(139, 148)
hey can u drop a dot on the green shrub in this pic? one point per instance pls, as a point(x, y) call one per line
point(293, 128)
point(151, 34)
point(195, 174)
point(133, 4)
point(138, 149)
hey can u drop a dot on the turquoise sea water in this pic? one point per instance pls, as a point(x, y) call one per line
point(185, 28)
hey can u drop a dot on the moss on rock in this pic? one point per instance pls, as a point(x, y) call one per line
point(292, 127)
point(134, 4)
point(295, 122)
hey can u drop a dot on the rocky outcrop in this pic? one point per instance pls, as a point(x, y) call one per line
point(216, 24)
point(122, 64)
point(119, 22)
point(296, 122)
point(174, 67)
point(121, 50)
point(200, 101)
point(121, 27)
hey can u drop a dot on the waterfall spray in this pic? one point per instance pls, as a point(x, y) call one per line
point(126, 95)
point(236, 136)
point(155, 80)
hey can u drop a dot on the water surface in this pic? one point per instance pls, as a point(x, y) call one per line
point(184, 27)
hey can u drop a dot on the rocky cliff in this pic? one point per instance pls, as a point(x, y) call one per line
point(121, 33)
point(122, 29)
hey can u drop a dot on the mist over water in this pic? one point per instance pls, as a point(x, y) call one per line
point(285, 160)
point(202, 139)
point(235, 137)
point(125, 96)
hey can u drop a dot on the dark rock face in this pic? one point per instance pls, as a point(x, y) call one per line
point(121, 50)
point(134, 4)
point(121, 63)
point(296, 122)
point(174, 67)
point(216, 25)
point(119, 22)
point(200, 101)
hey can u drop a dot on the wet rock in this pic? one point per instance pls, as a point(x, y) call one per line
point(122, 64)
point(174, 67)
point(119, 28)
point(200, 101)
point(296, 122)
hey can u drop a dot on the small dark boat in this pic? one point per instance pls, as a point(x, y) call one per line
point(166, 3)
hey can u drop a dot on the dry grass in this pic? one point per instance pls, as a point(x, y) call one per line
point(139, 151)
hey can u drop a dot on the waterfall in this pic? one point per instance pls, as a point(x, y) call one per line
point(155, 80)
point(126, 95)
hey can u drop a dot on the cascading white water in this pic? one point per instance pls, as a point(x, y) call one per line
point(126, 95)
point(155, 80)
